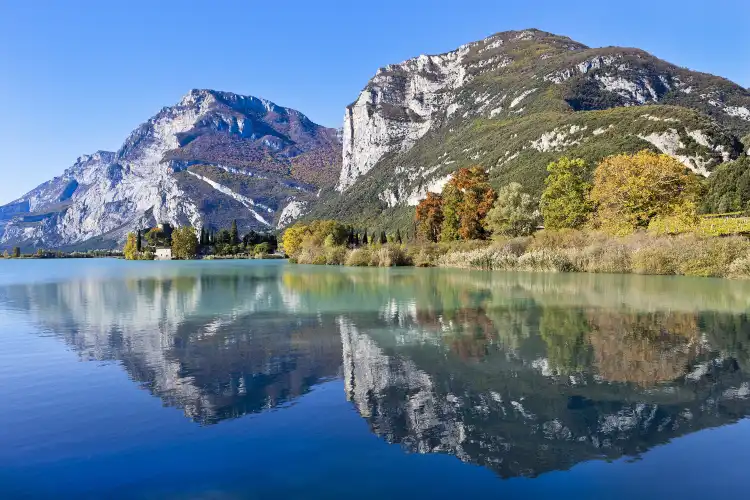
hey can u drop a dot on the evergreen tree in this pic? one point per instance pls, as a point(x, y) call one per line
point(383, 238)
point(398, 236)
point(138, 245)
point(234, 234)
point(16, 252)
point(356, 238)
point(364, 238)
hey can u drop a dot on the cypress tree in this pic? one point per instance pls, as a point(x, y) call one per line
point(138, 241)
point(383, 238)
point(356, 238)
point(398, 236)
point(234, 234)
point(364, 238)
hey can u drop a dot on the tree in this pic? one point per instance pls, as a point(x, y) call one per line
point(467, 198)
point(234, 235)
point(729, 187)
point(262, 248)
point(565, 200)
point(630, 190)
point(429, 217)
point(16, 252)
point(184, 243)
point(398, 236)
point(130, 251)
point(383, 238)
point(364, 238)
point(514, 212)
point(155, 237)
point(138, 242)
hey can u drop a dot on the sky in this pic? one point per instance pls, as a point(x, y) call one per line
point(78, 76)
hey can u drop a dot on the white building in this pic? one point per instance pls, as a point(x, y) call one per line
point(163, 253)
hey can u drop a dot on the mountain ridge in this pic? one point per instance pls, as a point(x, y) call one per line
point(511, 103)
point(168, 169)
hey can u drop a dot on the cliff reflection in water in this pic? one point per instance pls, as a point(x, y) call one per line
point(520, 373)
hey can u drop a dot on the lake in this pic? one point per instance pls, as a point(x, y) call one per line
point(262, 379)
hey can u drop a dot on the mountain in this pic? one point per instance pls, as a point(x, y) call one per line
point(211, 158)
point(512, 103)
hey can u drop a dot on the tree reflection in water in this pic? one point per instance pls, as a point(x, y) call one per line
point(520, 373)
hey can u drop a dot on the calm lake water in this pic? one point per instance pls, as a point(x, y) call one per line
point(260, 379)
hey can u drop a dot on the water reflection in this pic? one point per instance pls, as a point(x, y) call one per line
point(520, 373)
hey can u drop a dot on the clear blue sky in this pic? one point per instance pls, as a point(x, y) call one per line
point(77, 76)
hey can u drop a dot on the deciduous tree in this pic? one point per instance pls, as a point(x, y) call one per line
point(565, 200)
point(630, 190)
point(514, 214)
point(429, 217)
point(184, 243)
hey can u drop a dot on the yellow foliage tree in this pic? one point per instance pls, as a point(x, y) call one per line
point(131, 247)
point(631, 190)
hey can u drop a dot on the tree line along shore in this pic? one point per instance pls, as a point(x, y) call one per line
point(631, 213)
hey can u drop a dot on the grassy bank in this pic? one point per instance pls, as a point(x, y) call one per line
point(558, 251)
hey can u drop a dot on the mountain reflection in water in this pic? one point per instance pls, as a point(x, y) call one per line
point(519, 373)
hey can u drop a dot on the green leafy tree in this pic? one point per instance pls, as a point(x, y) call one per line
point(262, 248)
point(565, 200)
point(729, 187)
point(184, 243)
point(514, 214)
point(6, 255)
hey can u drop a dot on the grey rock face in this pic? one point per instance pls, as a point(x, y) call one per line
point(249, 158)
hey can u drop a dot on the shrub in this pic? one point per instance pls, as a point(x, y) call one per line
point(335, 256)
point(545, 260)
point(655, 259)
point(562, 238)
point(359, 257)
point(740, 268)
point(391, 255)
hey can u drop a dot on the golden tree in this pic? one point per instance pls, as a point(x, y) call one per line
point(631, 190)
point(131, 247)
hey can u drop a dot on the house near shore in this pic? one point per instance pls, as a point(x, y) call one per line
point(163, 253)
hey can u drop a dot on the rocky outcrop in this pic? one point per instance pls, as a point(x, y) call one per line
point(243, 148)
point(416, 122)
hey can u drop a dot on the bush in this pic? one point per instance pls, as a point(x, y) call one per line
point(391, 255)
point(335, 256)
point(545, 260)
point(359, 257)
point(740, 268)
point(655, 259)
point(562, 238)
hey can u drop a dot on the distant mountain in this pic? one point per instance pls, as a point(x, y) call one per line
point(211, 158)
point(512, 103)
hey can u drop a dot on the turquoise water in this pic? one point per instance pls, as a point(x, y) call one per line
point(260, 379)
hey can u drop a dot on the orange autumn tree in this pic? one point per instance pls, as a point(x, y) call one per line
point(461, 210)
point(467, 198)
point(429, 217)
